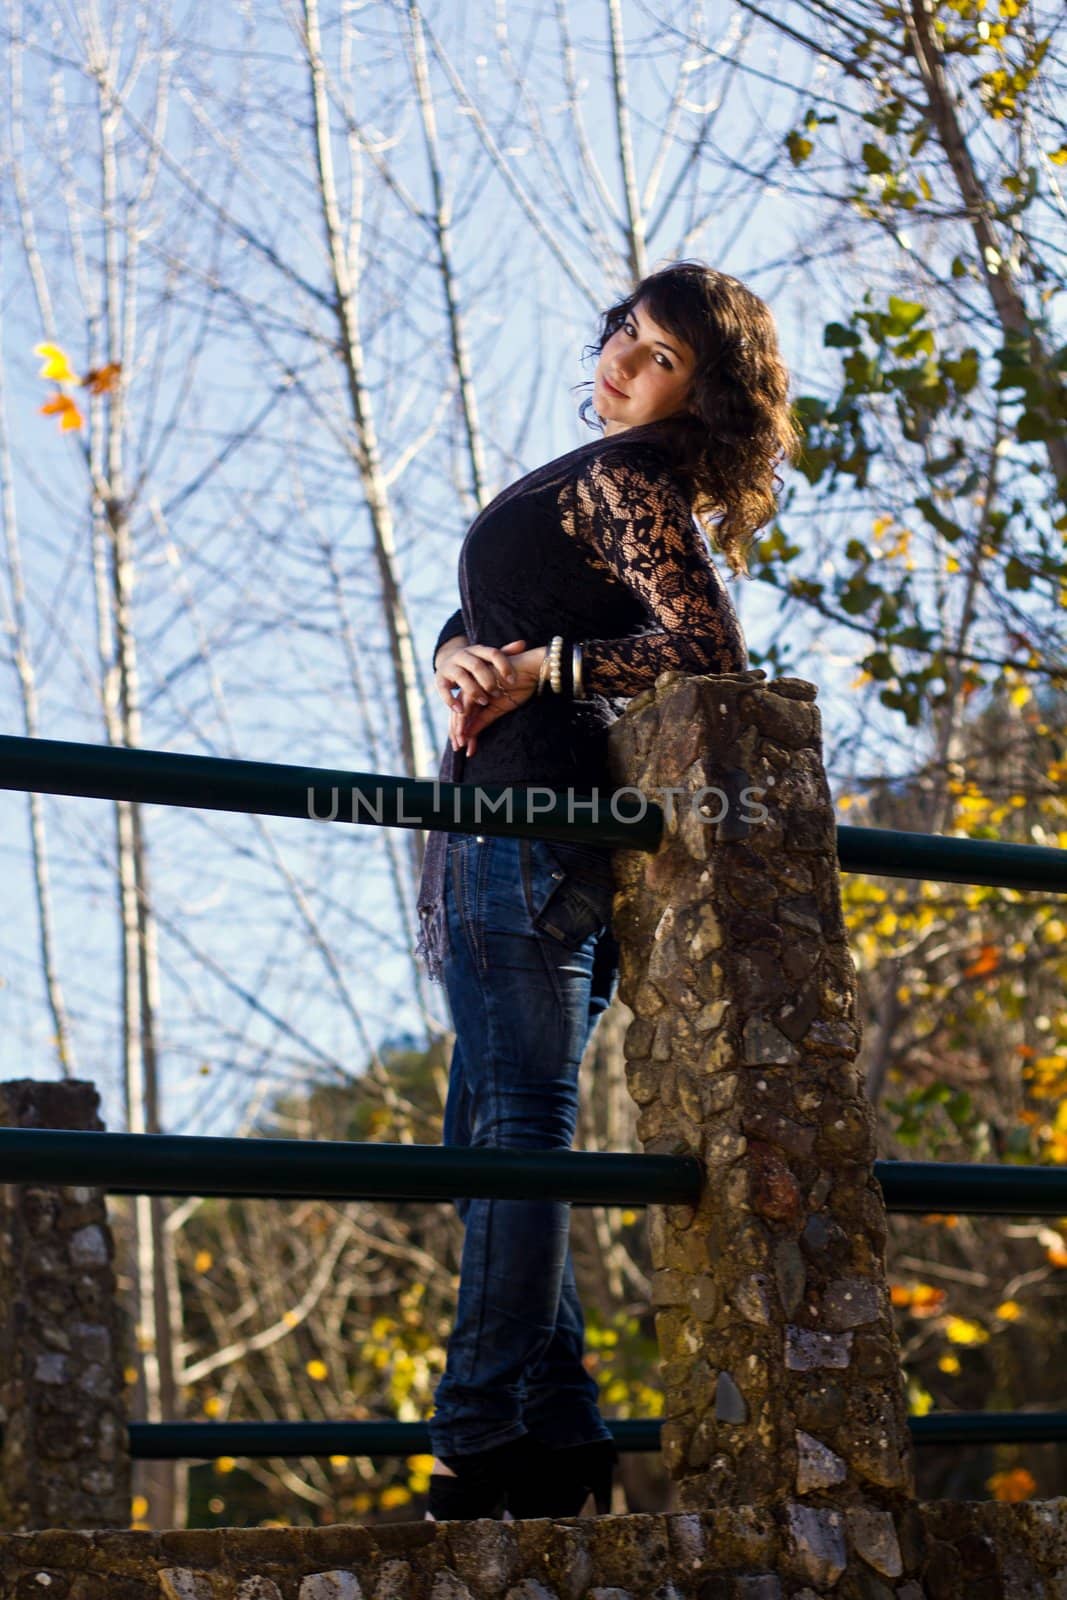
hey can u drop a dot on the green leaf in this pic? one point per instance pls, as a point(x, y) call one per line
point(859, 595)
point(774, 546)
point(838, 337)
point(914, 637)
point(880, 666)
point(942, 464)
point(1016, 575)
point(937, 519)
point(805, 589)
point(962, 370)
point(876, 159)
point(1033, 426)
point(808, 409)
point(902, 700)
point(862, 372)
point(903, 314)
point(919, 342)
point(813, 462)
point(799, 148)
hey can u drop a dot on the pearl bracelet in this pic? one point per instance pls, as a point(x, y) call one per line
point(555, 664)
point(542, 675)
point(551, 669)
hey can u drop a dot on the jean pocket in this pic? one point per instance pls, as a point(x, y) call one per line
point(569, 890)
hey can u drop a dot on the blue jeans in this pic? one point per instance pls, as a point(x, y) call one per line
point(532, 964)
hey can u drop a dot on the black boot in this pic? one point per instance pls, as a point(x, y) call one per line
point(480, 1485)
point(557, 1483)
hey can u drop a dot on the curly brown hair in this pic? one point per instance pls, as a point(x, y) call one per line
point(740, 423)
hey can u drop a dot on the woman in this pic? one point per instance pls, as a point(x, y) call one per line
point(579, 584)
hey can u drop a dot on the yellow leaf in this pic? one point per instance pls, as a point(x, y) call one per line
point(949, 1364)
point(130, 1374)
point(318, 1370)
point(961, 1331)
point(291, 1318)
point(204, 1261)
point(138, 1507)
point(342, 1461)
point(420, 1463)
point(951, 564)
point(628, 1219)
point(920, 1400)
point(395, 1495)
point(225, 1464)
point(1020, 694)
point(56, 365)
point(1059, 156)
point(1009, 1311)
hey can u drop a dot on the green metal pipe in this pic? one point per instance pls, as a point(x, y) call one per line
point(973, 1188)
point(267, 1169)
point(306, 1169)
point(890, 853)
point(162, 777)
point(207, 1441)
point(325, 794)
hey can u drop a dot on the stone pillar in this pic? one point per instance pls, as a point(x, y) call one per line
point(780, 1364)
point(65, 1458)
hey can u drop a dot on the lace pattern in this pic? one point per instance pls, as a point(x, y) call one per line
point(638, 530)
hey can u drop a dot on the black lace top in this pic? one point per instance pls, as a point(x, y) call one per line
point(600, 546)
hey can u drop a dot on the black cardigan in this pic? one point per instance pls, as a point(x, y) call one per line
point(601, 547)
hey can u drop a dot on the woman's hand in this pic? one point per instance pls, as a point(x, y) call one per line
point(468, 674)
point(466, 724)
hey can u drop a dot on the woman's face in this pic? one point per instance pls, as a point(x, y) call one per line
point(643, 374)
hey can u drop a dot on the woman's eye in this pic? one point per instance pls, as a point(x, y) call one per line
point(659, 356)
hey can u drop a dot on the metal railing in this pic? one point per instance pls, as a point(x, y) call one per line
point(270, 1168)
point(211, 783)
point(206, 1441)
point(309, 1169)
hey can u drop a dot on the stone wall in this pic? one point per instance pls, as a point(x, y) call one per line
point(64, 1462)
point(960, 1551)
point(780, 1364)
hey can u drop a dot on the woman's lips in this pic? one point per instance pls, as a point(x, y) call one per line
point(610, 387)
